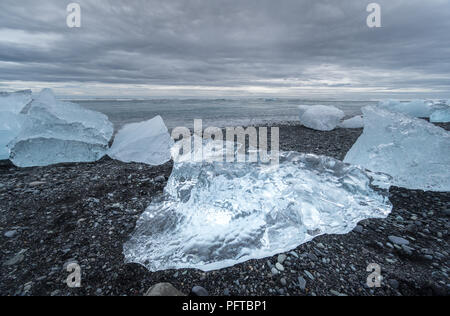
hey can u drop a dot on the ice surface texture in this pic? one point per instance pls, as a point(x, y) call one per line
point(416, 108)
point(10, 127)
point(146, 142)
point(355, 122)
point(215, 215)
point(58, 132)
point(14, 102)
point(414, 152)
point(320, 117)
point(441, 112)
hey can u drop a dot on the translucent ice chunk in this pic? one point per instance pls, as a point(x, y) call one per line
point(355, 122)
point(414, 152)
point(71, 113)
point(441, 116)
point(215, 215)
point(146, 142)
point(10, 127)
point(416, 108)
point(321, 117)
point(441, 112)
point(14, 102)
point(60, 132)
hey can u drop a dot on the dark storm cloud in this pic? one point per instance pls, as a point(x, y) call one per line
point(286, 46)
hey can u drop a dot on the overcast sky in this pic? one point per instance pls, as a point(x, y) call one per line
point(302, 48)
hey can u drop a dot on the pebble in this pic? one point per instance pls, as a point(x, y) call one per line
point(281, 258)
point(358, 229)
point(36, 183)
point(393, 284)
point(302, 283)
point(279, 267)
point(283, 282)
point(18, 258)
point(398, 240)
point(199, 291)
point(10, 234)
point(309, 275)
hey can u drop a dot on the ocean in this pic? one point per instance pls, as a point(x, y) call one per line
point(213, 112)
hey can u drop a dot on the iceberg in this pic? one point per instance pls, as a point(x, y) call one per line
point(355, 122)
point(414, 152)
point(215, 215)
point(10, 127)
point(14, 102)
point(146, 142)
point(59, 132)
point(416, 108)
point(321, 117)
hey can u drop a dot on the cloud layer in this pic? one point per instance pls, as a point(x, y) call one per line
point(228, 47)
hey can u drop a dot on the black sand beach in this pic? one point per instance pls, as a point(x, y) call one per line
point(85, 212)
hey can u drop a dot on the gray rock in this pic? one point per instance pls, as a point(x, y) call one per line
point(309, 275)
point(283, 282)
point(10, 234)
point(281, 258)
point(199, 291)
point(358, 229)
point(160, 179)
point(18, 258)
point(163, 289)
point(279, 267)
point(394, 284)
point(398, 240)
point(301, 283)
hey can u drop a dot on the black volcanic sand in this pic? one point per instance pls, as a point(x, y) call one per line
point(85, 212)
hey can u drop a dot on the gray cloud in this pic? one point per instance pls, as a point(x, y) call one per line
point(286, 47)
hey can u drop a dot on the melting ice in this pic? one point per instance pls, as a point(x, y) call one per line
point(146, 142)
point(320, 117)
point(414, 152)
point(215, 215)
point(57, 132)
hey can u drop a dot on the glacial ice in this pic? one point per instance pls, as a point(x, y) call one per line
point(441, 112)
point(441, 116)
point(321, 117)
point(416, 108)
point(414, 152)
point(14, 102)
point(10, 127)
point(215, 215)
point(354, 122)
point(58, 132)
point(145, 142)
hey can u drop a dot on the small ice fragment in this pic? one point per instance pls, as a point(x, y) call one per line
point(146, 142)
point(414, 152)
point(355, 122)
point(441, 116)
point(321, 117)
